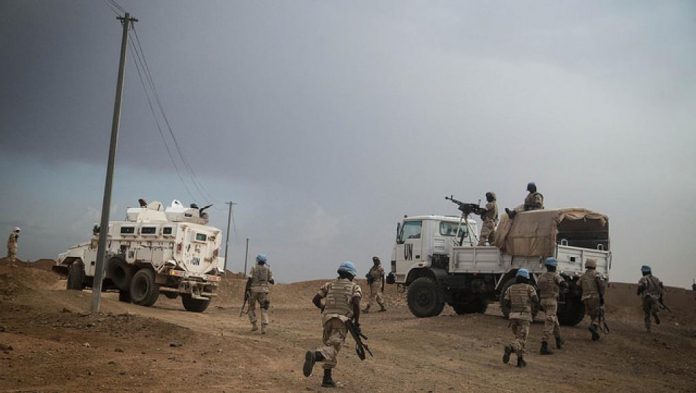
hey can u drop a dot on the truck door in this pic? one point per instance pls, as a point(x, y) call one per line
point(409, 247)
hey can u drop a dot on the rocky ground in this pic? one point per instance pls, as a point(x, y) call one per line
point(48, 343)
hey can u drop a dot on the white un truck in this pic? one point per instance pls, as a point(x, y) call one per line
point(437, 258)
point(170, 251)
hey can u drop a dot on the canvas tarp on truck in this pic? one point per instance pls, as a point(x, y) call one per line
point(536, 232)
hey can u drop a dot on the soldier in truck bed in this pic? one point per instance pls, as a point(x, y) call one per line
point(490, 219)
point(533, 201)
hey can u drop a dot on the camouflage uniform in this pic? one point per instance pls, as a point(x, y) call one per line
point(650, 289)
point(338, 309)
point(12, 246)
point(534, 201)
point(490, 218)
point(549, 285)
point(260, 276)
point(592, 294)
point(521, 296)
point(376, 274)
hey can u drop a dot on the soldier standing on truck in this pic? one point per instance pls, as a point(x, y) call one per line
point(592, 296)
point(257, 285)
point(650, 289)
point(342, 304)
point(490, 219)
point(519, 297)
point(375, 279)
point(533, 201)
point(550, 284)
point(12, 244)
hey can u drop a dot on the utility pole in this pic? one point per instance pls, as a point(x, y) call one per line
point(227, 237)
point(246, 254)
point(126, 21)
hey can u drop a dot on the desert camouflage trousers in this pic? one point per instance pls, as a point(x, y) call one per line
point(262, 299)
point(551, 326)
point(335, 331)
point(592, 308)
point(520, 328)
point(650, 308)
point(12, 252)
point(487, 233)
point(376, 294)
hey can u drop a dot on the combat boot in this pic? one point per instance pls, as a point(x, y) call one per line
point(545, 349)
point(254, 327)
point(327, 381)
point(366, 310)
point(506, 355)
point(382, 309)
point(510, 213)
point(520, 362)
point(311, 357)
point(559, 342)
point(657, 319)
point(595, 333)
point(263, 328)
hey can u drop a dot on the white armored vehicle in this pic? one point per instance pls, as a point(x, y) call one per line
point(437, 259)
point(171, 251)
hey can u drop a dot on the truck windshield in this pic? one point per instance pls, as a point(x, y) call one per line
point(410, 230)
point(450, 229)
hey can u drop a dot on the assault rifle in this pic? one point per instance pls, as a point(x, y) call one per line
point(358, 336)
point(467, 208)
point(663, 305)
point(247, 293)
point(603, 320)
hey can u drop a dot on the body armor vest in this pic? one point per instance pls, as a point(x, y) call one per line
point(548, 285)
point(519, 299)
point(338, 299)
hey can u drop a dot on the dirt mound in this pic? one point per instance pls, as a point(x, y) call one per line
point(16, 278)
point(624, 304)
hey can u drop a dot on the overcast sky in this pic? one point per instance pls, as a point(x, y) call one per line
point(326, 121)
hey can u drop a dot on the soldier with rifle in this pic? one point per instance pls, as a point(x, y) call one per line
point(592, 289)
point(650, 289)
point(256, 291)
point(519, 297)
point(550, 284)
point(375, 280)
point(340, 313)
point(489, 216)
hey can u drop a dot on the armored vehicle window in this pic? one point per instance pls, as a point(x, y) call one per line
point(450, 228)
point(201, 237)
point(167, 231)
point(128, 230)
point(411, 230)
point(148, 230)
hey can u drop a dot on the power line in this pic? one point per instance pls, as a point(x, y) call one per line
point(112, 7)
point(114, 3)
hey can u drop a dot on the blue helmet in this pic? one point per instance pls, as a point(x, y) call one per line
point(261, 258)
point(348, 267)
point(523, 273)
point(645, 269)
point(551, 261)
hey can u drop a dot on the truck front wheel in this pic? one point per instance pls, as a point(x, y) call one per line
point(424, 298)
point(194, 305)
point(76, 276)
point(143, 289)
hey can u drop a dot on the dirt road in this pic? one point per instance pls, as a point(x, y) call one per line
point(48, 344)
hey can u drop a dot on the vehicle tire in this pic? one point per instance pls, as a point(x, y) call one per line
point(170, 295)
point(76, 276)
point(143, 289)
point(475, 305)
point(194, 305)
point(119, 272)
point(572, 312)
point(124, 296)
point(424, 298)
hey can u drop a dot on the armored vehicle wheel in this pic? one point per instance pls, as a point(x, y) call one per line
point(124, 296)
point(76, 276)
point(119, 272)
point(424, 298)
point(475, 305)
point(143, 289)
point(571, 313)
point(195, 305)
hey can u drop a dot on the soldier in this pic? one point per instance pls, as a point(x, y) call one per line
point(693, 288)
point(12, 244)
point(533, 201)
point(550, 284)
point(375, 279)
point(490, 219)
point(341, 305)
point(592, 295)
point(519, 297)
point(257, 286)
point(650, 288)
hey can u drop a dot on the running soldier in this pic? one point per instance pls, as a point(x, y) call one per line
point(12, 244)
point(550, 284)
point(490, 219)
point(519, 297)
point(342, 303)
point(592, 295)
point(650, 289)
point(257, 286)
point(533, 201)
point(375, 279)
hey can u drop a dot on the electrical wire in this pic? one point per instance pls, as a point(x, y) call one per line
point(114, 3)
point(112, 7)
